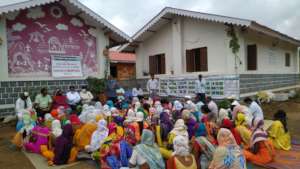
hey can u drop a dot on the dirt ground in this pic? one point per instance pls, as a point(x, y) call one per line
point(12, 159)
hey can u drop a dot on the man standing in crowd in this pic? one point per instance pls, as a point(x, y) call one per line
point(152, 86)
point(112, 86)
point(254, 109)
point(23, 102)
point(73, 98)
point(200, 89)
point(43, 103)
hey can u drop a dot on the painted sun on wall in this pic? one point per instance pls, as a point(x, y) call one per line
point(35, 34)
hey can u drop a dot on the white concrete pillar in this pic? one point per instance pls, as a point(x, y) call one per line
point(102, 42)
point(3, 50)
point(177, 47)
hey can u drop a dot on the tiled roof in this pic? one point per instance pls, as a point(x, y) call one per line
point(122, 57)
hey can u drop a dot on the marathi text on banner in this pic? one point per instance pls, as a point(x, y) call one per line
point(66, 66)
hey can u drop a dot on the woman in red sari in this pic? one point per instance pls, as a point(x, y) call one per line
point(59, 100)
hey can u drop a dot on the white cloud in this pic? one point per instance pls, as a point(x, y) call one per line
point(62, 27)
point(76, 22)
point(18, 27)
point(93, 32)
point(12, 15)
point(35, 13)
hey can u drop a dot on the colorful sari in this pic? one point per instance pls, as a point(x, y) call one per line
point(280, 138)
point(228, 154)
point(150, 151)
point(242, 129)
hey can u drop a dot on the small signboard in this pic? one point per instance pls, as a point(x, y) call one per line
point(218, 87)
point(66, 66)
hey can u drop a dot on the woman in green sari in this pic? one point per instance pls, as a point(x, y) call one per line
point(146, 155)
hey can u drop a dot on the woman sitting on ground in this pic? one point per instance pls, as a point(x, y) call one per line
point(261, 149)
point(228, 154)
point(242, 128)
point(230, 126)
point(279, 133)
point(182, 158)
point(179, 129)
point(146, 155)
point(63, 145)
point(202, 149)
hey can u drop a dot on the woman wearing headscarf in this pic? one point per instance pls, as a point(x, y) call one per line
point(278, 132)
point(179, 129)
point(165, 125)
point(202, 149)
point(228, 154)
point(177, 107)
point(56, 130)
point(190, 122)
point(230, 126)
point(242, 128)
point(59, 100)
point(261, 149)
point(147, 154)
point(182, 158)
point(82, 137)
point(63, 146)
point(98, 136)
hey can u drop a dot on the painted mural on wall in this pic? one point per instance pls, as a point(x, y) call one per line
point(37, 33)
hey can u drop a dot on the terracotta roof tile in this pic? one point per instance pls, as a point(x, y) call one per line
point(122, 57)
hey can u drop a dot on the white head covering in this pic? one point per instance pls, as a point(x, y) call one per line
point(114, 111)
point(98, 105)
point(188, 97)
point(223, 114)
point(48, 117)
point(106, 110)
point(177, 105)
point(190, 105)
point(134, 100)
point(98, 136)
point(181, 146)
point(180, 129)
point(235, 103)
point(56, 128)
point(26, 94)
point(139, 116)
point(91, 117)
point(130, 115)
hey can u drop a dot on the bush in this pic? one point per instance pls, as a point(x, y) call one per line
point(225, 104)
point(96, 86)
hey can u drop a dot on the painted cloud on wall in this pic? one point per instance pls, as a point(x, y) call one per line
point(76, 22)
point(62, 27)
point(18, 27)
point(12, 15)
point(35, 13)
point(93, 32)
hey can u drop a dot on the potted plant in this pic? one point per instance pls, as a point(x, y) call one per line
point(97, 87)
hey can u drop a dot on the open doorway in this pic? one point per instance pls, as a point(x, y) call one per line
point(113, 70)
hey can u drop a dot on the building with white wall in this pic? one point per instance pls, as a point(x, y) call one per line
point(40, 36)
point(181, 43)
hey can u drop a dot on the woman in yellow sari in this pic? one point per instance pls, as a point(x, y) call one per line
point(278, 132)
point(243, 130)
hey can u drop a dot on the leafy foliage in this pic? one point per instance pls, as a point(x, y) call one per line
point(234, 41)
point(96, 85)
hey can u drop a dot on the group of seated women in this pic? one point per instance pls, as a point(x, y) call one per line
point(153, 134)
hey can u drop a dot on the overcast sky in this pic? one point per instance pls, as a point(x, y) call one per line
point(131, 15)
